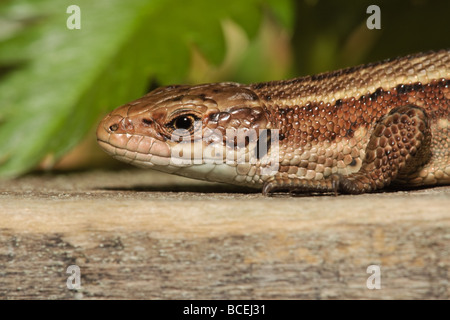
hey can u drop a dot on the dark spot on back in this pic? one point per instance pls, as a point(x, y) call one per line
point(333, 136)
point(319, 77)
point(376, 94)
point(350, 133)
point(418, 86)
point(404, 88)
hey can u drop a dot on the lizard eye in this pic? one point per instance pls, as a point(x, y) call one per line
point(185, 121)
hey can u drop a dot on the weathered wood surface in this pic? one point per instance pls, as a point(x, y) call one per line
point(133, 238)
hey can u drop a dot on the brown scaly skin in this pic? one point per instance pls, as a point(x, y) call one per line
point(350, 131)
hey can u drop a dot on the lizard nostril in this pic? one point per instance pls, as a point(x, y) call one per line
point(113, 127)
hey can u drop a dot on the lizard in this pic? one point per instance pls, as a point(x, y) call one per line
point(350, 131)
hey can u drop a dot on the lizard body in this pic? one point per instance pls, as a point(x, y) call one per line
point(354, 130)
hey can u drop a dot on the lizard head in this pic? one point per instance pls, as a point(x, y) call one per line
point(206, 132)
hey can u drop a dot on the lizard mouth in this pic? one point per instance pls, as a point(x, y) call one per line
point(116, 136)
point(136, 157)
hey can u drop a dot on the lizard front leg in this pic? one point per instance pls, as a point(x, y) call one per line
point(399, 144)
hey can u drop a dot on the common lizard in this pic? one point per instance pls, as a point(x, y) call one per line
point(353, 130)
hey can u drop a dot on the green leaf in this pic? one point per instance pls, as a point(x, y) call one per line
point(56, 82)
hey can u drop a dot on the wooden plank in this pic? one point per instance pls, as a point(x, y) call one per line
point(132, 238)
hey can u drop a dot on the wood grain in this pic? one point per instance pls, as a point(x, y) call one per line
point(135, 239)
